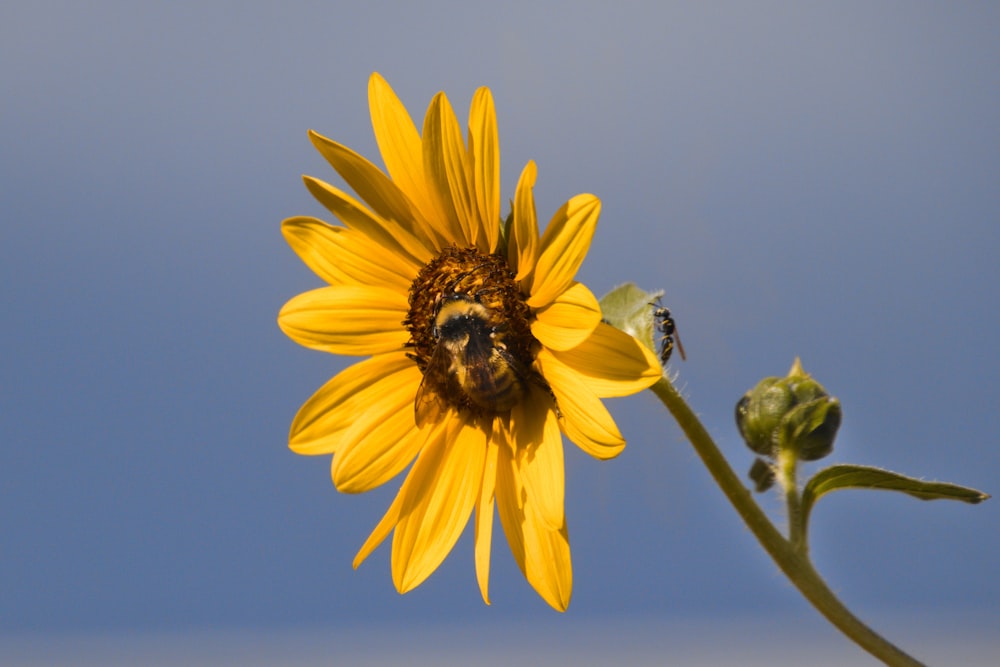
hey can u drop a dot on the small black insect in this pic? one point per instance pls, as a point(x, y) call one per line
point(668, 329)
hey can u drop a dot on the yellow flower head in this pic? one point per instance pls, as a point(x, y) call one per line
point(481, 348)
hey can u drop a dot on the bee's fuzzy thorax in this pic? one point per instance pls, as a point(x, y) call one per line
point(470, 331)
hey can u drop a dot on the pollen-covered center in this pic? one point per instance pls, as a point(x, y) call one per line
point(470, 334)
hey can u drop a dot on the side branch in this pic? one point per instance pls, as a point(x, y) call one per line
point(795, 565)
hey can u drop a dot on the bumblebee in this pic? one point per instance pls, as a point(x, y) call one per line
point(665, 324)
point(471, 366)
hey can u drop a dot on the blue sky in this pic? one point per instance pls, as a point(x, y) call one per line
point(817, 181)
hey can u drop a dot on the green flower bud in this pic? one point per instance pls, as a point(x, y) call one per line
point(811, 427)
point(759, 414)
point(793, 413)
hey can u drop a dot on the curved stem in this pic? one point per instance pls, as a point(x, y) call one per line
point(797, 568)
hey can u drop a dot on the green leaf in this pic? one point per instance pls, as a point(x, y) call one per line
point(865, 477)
point(627, 307)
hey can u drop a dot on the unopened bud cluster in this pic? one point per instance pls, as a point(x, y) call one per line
point(793, 415)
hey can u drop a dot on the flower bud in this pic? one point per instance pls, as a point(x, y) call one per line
point(793, 413)
point(811, 427)
point(759, 414)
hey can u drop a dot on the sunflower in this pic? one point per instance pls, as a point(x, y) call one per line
point(480, 349)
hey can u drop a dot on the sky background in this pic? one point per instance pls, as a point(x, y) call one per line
point(819, 181)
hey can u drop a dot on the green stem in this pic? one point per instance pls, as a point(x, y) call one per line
point(788, 463)
point(793, 563)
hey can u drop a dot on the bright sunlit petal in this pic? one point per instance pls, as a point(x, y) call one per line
point(568, 320)
point(346, 319)
point(585, 419)
point(563, 247)
point(612, 363)
point(326, 416)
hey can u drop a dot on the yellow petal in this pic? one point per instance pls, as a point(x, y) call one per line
point(326, 416)
point(484, 512)
point(541, 552)
point(446, 480)
point(539, 458)
point(522, 248)
point(385, 232)
point(347, 319)
point(382, 530)
point(383, 439)
point(569, 320)
point(563, 247)
point(391, 517)
point(401, 148)
point(384, 197)
point(342, 256)
point(367, 180)
point(444, 164)
point(484, 159)
point(585, 419)
point(612, 363)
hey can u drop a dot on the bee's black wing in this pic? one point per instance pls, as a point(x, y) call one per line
point(429, 405)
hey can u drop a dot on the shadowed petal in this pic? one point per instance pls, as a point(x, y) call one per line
point(383, 439)
point(391, 517)
point(484, 159)
point(378, 191)
point(484, 510)
point(522, 248)
point(382, 530)
point(402, 151)
point(347, 319)
point(367, 180)
point(444, 164)
point(446, 481)
point(342, 256)
point(383, 231)
point(540, 463)
point(541, 552)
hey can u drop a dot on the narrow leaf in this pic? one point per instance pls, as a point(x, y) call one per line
point(866, 477)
